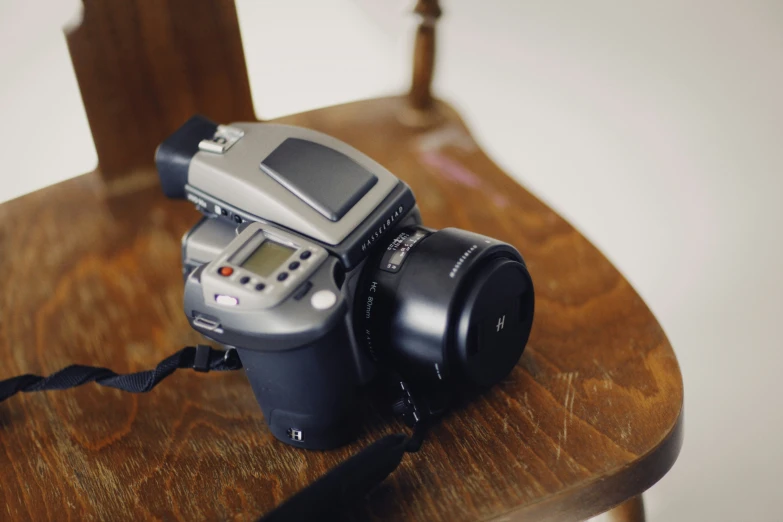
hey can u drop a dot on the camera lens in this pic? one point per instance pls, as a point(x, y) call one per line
point(445, 306)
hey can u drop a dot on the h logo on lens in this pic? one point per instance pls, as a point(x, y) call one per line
point(501, 324)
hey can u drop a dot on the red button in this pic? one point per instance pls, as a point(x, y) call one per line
point(225, 271)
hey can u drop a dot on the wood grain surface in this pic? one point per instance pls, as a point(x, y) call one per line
point(90, 272)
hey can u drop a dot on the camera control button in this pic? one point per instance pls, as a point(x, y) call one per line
point(225, 271)
point(306, 254)
point(294, 265)
point(323, 299)
point(260, 286)
point(244, 280)
point(282, 276)
point(227, 300)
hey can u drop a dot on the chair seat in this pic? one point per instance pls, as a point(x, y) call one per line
point(90, 271)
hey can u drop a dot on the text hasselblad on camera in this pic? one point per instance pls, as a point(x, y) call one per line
point(313, 264)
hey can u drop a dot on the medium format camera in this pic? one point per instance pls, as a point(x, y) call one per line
point(312, 262)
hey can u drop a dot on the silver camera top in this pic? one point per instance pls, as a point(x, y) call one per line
point(297, 178)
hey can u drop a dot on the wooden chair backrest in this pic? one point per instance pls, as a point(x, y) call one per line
point(144, 67)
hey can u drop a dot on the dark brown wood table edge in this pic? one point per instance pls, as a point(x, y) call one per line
point(606, 492)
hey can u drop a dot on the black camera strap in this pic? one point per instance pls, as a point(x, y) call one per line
point(352, 480)
point(328, 496)
point(201, 358)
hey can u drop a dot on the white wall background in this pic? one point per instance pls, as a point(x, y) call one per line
point(655, 127)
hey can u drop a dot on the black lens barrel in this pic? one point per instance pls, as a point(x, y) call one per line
point(454, 307)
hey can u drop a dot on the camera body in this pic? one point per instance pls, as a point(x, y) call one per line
point(312, 262)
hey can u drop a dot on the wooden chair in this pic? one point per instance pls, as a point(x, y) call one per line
point(590, 418)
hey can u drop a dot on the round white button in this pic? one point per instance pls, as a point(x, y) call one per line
point(323, 299)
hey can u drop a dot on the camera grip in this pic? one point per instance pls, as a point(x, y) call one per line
point(308, 394)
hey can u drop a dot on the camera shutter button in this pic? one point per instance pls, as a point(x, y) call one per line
point(323, 299)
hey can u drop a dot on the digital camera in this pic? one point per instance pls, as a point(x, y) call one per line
point(312, 262)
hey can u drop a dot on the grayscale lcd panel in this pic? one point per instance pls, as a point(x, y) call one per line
point(267, 258)
point(325, 179)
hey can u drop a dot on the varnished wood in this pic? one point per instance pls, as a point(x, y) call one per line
point(144, 67)
point(629, 511)
point(90, 272)
point(421, 110)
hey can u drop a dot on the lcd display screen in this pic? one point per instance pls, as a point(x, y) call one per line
point(267, 258)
